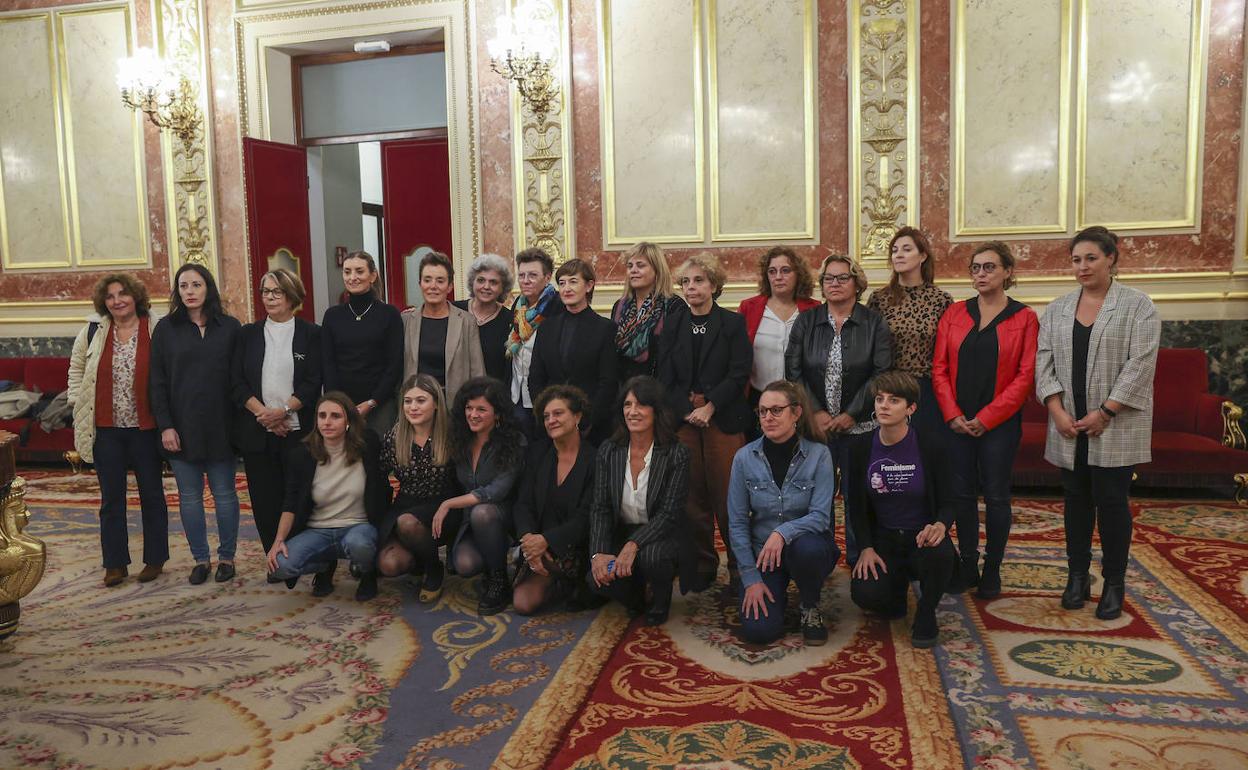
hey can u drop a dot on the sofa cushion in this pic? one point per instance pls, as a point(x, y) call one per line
point(1193, 455)
point(1182, 375)
point(47, 375)
point(14, 370)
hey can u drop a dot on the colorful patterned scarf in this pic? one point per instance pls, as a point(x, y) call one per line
point(525, 319)
point(635, 326)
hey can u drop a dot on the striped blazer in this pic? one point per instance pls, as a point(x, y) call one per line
point(666, 492)
point(1122, 355)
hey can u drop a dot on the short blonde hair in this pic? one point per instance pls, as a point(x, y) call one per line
point(708, 263)
point(653, 254)
point(855, 270)
point(289, 283)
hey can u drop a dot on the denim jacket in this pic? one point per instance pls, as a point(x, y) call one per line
point(757, 507)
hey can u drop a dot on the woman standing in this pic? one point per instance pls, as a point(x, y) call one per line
point(641, 480)
point(640, 314)
point(1094, 371)
point(488, 450)
point(362, 344)
point(912, 305)
point(538, 302)
point(552, 509)
point(190, 393)
point(983, 371)
point(276, 380)
point(336, 494)
point(784, 290)
point(835, 350)
point(705, 373)
point(577, 347)
point(779, 517)
point(114, 427)
point(903, 515)
point(490, 280)
point(417, 450)
point(442, 340)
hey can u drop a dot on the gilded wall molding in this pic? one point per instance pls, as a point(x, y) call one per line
point(541, 145)
point(884, 123)
point(189, 204)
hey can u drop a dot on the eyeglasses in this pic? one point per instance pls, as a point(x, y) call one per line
point(839, 279)
point(987, 268)
point(779, 271)
point(275, 293)
point(774, 411)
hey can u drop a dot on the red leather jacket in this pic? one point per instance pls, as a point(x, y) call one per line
point(752, 309)
point(1016, 363)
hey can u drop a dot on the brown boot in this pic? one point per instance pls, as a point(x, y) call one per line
point(114, 575)
point(150, 572)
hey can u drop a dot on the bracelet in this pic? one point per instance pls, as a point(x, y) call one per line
point(1108, 412)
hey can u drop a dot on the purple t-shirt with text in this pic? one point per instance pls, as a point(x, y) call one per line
point(895, 482)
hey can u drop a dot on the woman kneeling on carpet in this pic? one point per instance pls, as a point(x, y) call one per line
point(336, 493)
point(779, 516)
point(488, 449)
point(641, 480)
point(554, 500)
point(417, 450)
point(904, 520)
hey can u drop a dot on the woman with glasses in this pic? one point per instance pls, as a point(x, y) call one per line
point(276, 381)
point(779, 517)
point(982, 374)
point(835, 350)
point(912, 305)
point(785, 286)
point(490, 279)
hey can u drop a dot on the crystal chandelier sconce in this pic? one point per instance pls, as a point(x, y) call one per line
point(524, 51)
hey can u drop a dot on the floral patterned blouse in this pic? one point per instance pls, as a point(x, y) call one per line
point(912, 322)
point(420, 478)
point(125, 405)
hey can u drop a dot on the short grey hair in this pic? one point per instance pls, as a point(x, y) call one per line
point(497, 264)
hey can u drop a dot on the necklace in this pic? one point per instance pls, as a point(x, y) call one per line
point(700, 328)
point(483, 321)
point(360, 316)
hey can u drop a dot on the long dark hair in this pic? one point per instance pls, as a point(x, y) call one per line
point(505, 435)
point(893, 291)
point(212, 300)
point(648, 392)
point(353, 442)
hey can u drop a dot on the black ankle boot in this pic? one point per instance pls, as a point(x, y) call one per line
point(990, 581)
point(660, 605)
point(496, 595)
point(1078, 590)
point(1110, 605)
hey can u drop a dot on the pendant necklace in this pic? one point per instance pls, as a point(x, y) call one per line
point(360, 316)
point(700, 328)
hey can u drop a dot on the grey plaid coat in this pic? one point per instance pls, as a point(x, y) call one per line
point(1122, 355)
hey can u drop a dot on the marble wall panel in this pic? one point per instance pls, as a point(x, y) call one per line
point(33, 216)
point(762, 153)
point(1138, 165)
point(1011, 116)
point(103, 140)
point(653, 116)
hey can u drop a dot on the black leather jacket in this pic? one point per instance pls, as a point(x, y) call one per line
point(866, 350)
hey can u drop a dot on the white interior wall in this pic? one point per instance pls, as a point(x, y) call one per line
point(280, 107)
point(340, 167)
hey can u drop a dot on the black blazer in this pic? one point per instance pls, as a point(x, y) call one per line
point(245, 379)
point(935, 475)
point(301, 470)
point(564, 536)
point(666, 492)
point(189, 385)
point(724, 366)
point(591, 365)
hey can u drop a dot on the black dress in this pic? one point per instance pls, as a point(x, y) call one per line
point(493, 335)
point(422, 485)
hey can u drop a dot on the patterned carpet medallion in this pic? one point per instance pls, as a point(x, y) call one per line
point(247, 675)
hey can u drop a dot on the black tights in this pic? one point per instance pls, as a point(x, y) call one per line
point(484, 544)
point(410, 544)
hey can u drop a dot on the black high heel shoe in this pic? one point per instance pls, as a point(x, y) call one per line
point(1078, 590)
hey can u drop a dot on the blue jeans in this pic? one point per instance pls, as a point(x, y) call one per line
point(190, 478)
point(839, 444)
point(315, 549)
point(807, 561)
point(115, 450)
point(983, 465)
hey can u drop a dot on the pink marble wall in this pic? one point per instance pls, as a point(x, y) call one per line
point(494, 138)
point(1211, 249)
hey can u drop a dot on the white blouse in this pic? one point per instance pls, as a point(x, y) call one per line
point(277, 372)
point(633, 499)
point(770, 342)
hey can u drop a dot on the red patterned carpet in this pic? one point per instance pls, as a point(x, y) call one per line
point(293, 682)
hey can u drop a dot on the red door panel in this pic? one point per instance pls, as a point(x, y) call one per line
point(416, 188)
point(277, 214)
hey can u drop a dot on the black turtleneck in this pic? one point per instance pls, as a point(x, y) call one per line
point(364, 358)
point(779, 456)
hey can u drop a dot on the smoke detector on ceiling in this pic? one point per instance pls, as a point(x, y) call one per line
point(372, 46)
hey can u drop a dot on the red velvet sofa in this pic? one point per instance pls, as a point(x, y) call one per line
point(47, 375)
point(1197, 439)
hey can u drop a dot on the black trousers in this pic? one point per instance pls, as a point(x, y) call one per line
point(654, 565)
point(933, 567)
point(1097, 497)
point(116, 450)
point(266, 483)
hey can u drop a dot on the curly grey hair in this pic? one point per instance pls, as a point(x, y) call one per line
point(497, 264)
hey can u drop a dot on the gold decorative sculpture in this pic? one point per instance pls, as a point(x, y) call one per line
point(22, 557)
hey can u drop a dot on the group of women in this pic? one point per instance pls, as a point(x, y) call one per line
point(601, 453)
